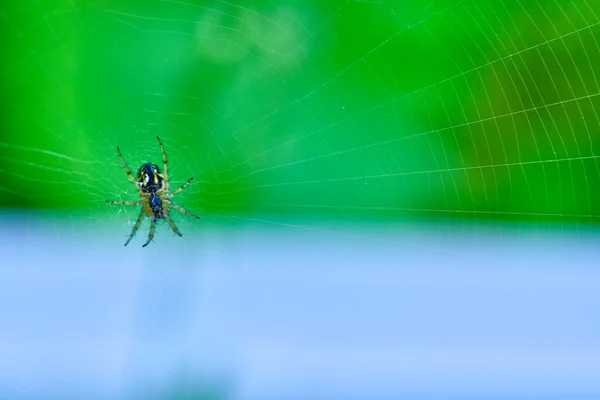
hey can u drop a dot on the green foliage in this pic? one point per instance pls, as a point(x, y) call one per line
point(462, 107)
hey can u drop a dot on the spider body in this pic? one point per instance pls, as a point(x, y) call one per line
point(151, 180)
point(155, 198)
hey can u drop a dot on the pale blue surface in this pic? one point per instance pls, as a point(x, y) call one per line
point(283, 312)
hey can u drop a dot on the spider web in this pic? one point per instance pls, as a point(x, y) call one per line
point(325, 119)
point(467, 108)
point(352, 109)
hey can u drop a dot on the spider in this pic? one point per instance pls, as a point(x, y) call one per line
point(155, 199)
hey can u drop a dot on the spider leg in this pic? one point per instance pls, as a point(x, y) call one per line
point(151, 234)
point(135, 227)
point(172, 225)
point(165, 166)
point(129, 174)
point(180, 188)
point(183, 211)
point(126, 203)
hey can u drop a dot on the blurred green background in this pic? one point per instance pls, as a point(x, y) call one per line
point(429, 108)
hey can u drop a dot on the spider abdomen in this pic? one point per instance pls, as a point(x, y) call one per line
point(150, 178)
